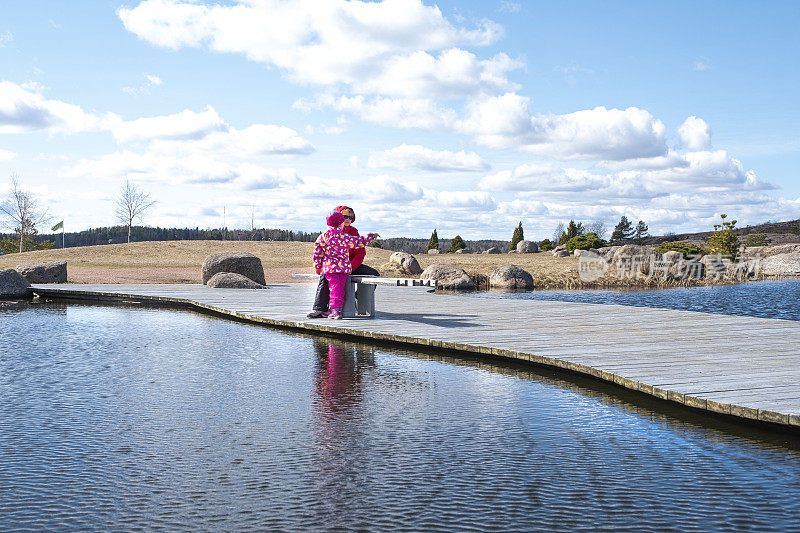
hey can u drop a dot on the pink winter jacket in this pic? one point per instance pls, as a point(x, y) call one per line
point(332, 250)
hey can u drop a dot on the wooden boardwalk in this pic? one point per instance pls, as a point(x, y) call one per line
point(741, 366)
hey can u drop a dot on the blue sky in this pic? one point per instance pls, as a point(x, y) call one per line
point(464, 116)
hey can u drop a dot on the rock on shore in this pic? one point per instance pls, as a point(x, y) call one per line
point(12, 284)
point(54, 272)
point(781, 265)
point(511, 277)
point(449, 277)
point(230, 280)
point(243, 263)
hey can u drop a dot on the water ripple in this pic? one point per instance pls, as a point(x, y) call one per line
point(115, 418)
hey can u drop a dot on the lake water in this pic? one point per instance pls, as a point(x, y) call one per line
point(121, 418)
point(766, 299)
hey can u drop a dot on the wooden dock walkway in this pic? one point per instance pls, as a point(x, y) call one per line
point(741, 366)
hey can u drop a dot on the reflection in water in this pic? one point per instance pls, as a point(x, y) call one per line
point(135, 418)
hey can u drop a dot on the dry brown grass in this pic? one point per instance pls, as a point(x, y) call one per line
point(180, 261)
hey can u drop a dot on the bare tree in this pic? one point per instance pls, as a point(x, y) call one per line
point(131, 204)
point(560, 227)
point(22, 211)
point(599, 228)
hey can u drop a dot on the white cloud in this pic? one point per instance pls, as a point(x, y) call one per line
point(324, 43)
point(398, 113)
point(599, 133)
point(180, 126)
point(5, 38)
point(152, 81)
point(454, 73)
point(701, 66)
point(24, 109)
point(460, 199)
point(253, 177)
point(6, 155)
point(695, 134)
point(509, 7)
point(409, 157)
point(384, 189)
point(252, 141)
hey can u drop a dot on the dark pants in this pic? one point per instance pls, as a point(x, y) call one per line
point(323, 295)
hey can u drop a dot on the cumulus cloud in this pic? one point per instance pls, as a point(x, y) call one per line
point(253, 177)
point(610, 134)
point(695, 134)
point(410, 157)
point(6, 155)
point(5, 38)
point(24, 109)
point(325, 43)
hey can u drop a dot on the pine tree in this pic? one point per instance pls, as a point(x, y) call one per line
point(573, 230)
point(724, 241)
point(456, 244)
point(516, 237)
point(640, 232)
point(622, 231)
point(433, 244)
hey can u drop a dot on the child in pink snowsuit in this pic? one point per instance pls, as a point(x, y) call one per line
point(332, 258)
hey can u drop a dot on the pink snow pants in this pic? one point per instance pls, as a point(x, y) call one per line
point(336, 283)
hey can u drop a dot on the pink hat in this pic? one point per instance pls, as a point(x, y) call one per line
point(335, 219)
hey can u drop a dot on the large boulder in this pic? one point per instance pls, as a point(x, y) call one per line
point(242, 263)
point(492, 250)
point(768, 251)
point(527, 247)
point(717, 267)
point(449, 277)
point(511, 277)
point(560, 253)
point(231, 280)
point(54, 272)
point(12, 284)
point(781, 265)
point(433, 251)
point(406, 263)
point(586, 253)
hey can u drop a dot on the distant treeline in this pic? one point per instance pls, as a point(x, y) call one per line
point(419, 246)
point(119, 234)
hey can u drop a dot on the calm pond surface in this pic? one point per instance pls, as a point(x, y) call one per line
point(766, 299)
point(121, 418)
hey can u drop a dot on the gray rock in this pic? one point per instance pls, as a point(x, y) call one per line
point(462, 251)
point(54, 272)
point(511, 277)
point(559, 248)
point(671, 257)
point(512, 251)
point(433, 251)
point(560, 253)
point(717, 267)
point(585, 253)
point(12, 284)
point(242, 263)
point(449, 277)
point(769, 251)
point(231, 280)
point(492, 250)
point(781, 265)
point(406, 262)
point(527, 247)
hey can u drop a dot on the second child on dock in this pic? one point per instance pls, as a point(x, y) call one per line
point(332, 258)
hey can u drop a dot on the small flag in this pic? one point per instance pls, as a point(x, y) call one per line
point(57, 226)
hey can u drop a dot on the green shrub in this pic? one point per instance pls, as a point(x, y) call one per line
point(688, 250)
point(584, 242)
point(723, 241)
point(757, 239)
point(456, 244)
point(376, 244)
point(545, 245)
